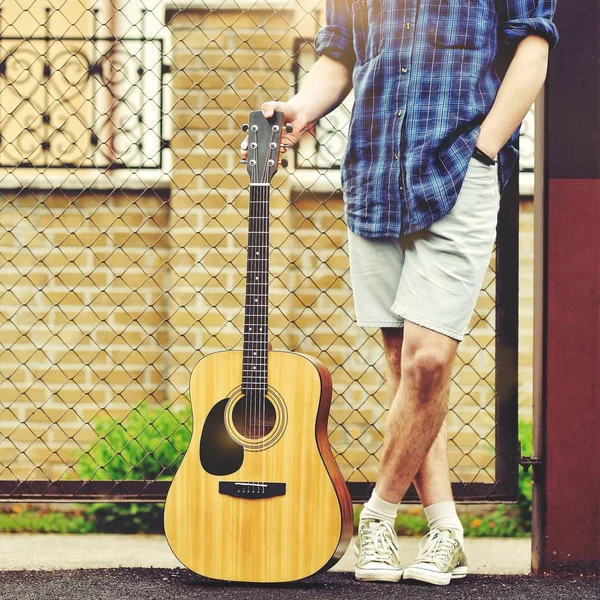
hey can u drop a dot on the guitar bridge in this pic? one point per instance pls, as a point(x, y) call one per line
point(251, 490)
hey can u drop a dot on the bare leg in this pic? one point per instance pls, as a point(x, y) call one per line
point(419, 371)
point(417, 412)
point(432, 481)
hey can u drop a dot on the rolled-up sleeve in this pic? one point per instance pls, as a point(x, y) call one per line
point(334, 39)
point(528, 17)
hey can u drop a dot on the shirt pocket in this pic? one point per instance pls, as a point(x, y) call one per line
point(366, 29)
point(459, 24)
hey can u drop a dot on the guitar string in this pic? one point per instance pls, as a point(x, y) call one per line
point(255, 342)
point(254, 319)
point(250, 325)
point(250, 393)
point(259, 212)
point(265, 223)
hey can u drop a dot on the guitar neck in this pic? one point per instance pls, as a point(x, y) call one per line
point(256, 321)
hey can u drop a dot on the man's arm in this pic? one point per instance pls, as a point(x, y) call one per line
point(324, 87)
point(523, 80)
point(328, 81)
point(528, 25)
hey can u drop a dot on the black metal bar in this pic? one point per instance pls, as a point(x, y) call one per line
point(507, 340)
point(156, 491)
point(84, 491)
point(463, 492)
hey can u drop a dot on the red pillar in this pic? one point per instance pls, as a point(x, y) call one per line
point(566, 518)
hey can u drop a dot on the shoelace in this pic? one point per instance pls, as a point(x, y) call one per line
point(435, 548)
point(378, 544)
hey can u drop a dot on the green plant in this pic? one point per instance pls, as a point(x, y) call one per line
point(147, 445)
point(27, 520)
point(126, 517)
point(509, 520)
point(525, 481)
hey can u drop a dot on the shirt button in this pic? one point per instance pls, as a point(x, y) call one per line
point(404, 70)
point(400, 113)
point(407, 26)
point(395, 156)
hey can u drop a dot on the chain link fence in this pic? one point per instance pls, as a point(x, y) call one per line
point(122, 244)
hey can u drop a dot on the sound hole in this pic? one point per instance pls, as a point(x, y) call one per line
point(254, 416)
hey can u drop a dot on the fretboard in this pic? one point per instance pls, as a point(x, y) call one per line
point(256, 330)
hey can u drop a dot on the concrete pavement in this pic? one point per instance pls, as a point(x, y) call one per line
point(102, 551)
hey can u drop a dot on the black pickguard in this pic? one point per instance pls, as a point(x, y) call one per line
point(219, 454)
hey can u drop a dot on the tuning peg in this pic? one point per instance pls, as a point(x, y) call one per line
point(289, 128)
point(283, 162)
point(245, 127)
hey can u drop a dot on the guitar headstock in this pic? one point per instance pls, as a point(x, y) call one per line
point(264, 139)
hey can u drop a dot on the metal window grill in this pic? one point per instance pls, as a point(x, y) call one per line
point(122, 245)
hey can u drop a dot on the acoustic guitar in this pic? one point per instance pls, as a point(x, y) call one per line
point(258, 496)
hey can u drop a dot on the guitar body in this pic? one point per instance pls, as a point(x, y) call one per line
point(254, 502)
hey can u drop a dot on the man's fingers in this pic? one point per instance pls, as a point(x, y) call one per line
point(244, 148)
point(268, 108)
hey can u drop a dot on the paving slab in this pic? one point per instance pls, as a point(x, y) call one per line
point(49, 552)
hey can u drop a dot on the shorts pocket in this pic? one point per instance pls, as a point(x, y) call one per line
point(480, 162)
point(479, 174)
point(458, 23)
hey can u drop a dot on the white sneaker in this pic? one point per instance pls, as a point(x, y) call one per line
point(441, 558)
point(377, 550)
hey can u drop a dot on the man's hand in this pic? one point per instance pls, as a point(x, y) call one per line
point(292, 115)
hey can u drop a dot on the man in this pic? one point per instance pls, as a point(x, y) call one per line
point(441, 88)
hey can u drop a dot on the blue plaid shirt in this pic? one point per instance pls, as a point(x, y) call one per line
point(425, 74)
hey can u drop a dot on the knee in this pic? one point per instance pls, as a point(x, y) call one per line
point(426, 368)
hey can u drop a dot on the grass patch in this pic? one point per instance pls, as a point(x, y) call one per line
point(30, 520)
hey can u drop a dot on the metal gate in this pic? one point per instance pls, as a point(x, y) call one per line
point(122, 231)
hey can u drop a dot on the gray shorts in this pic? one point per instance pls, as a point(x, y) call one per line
point(431, 277)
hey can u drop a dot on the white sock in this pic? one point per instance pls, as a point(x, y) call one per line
point(378, 508)
point(443, 514)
